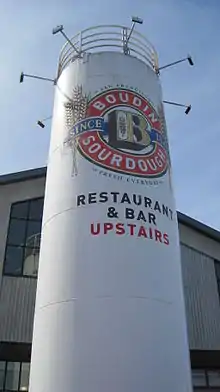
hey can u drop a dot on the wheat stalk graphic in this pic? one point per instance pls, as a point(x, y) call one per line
point(75, 111)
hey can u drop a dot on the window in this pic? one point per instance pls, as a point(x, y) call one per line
point(14, 376)
point(23, 241)
point(206, 380)
point(2, 374)
point(214, 378)
point(199, 378)
point(24, 380)
point(217, 272)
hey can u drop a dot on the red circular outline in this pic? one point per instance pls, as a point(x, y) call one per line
point(93, 112)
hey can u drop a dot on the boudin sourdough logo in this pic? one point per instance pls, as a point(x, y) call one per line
point(118, 130)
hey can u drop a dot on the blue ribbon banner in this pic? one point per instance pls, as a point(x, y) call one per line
point(89, 124)
point(98, 124)
point(156, 136)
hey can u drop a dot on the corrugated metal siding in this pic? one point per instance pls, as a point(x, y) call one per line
point(17, 301)
point(201, 299)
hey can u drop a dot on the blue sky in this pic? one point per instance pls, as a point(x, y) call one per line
point(175, 27)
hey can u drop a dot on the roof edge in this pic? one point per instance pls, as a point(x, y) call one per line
point(202, 228)
point(25, 175)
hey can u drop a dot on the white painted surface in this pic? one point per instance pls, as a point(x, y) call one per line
point(109, 310)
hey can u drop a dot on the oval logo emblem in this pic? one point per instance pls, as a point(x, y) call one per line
point(122, 132)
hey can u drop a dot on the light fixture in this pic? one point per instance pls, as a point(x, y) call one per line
point(136, 19)
point(188, 107)
point(41, 122)
point(22, 75)
point(188, 58)
point(59, 29)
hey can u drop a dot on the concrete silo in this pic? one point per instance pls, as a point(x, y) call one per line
point(110, 311)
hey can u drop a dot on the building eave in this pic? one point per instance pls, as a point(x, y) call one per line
point(25, 175)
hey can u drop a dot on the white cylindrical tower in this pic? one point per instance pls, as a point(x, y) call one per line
point(110, 308)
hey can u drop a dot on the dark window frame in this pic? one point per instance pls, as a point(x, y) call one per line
point(24, 246)
point(19, 376)
point(207, 386)
point(217, 275)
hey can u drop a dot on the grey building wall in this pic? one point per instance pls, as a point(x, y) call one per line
point(199, 241)
point(17, 294)
point(201, 299)
point(198, 253)
point(17, 300)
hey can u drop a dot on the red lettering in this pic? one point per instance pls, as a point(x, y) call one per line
point(120, 228)
point(95, 231)
point(130, 98)
point(151, 233)
point(158, 235)
point(131, 226)
point(142, 232)
point(107, 227)
point(166, 239)
point(129, 229)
